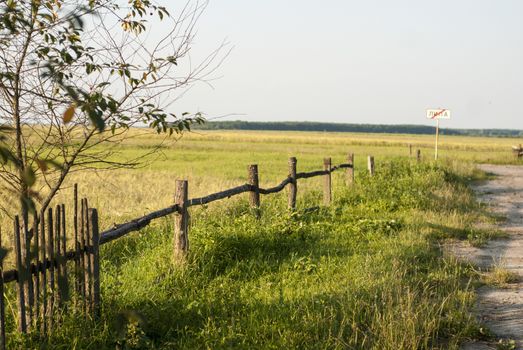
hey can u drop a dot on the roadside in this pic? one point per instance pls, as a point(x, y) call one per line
point(500, 303)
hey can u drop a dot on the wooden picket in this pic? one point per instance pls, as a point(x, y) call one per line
point(2, 305)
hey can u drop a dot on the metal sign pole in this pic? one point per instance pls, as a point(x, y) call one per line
point(437, 138)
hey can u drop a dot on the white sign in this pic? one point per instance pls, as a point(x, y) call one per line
point(438, 114)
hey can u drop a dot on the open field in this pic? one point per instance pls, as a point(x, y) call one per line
point(365, 273)
point(213, 161)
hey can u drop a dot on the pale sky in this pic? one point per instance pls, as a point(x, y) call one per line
point(367, 61)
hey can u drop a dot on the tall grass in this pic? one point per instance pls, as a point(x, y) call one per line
point(364, 273)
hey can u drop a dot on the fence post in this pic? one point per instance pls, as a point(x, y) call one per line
point(254, 198)
point(87, 260)
point(350, 170)
point(36, 277)
point(65, 282)
point(77, 273)
point(181, 220)
point(81, 251)
point(410, 149)
point(51, 258)
point(2, 305)
point(95, 256)
point(327, 190)
point(28, 281)
point(418, 155)
point(370, 165)
point(43, 280)
point(22, 326)
point(58, 253)
point(293, 186)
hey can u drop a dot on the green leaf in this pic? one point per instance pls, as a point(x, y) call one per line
point(29, 176)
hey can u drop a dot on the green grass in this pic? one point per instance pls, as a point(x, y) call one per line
point(365, 273)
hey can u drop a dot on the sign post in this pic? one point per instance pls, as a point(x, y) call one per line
point(437, 114)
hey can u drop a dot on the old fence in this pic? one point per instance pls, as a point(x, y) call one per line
point(51, 280)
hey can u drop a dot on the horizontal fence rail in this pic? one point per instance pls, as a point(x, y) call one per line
point(141, 222)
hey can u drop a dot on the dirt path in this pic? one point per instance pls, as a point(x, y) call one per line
point(501, 309)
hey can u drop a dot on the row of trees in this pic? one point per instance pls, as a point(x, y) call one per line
point(78, 74)
point(341, 127)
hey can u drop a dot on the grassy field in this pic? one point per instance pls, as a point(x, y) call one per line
point(213, 161)
point(364, 273)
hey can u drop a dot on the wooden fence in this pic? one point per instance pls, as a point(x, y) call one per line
point(45, 288)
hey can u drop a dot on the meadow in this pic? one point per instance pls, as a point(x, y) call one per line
point(367, 272)
point(216, 160)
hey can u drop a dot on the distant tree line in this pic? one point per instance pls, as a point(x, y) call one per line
point(364, 128)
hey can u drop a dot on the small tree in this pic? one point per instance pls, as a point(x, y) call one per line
point(78, 74)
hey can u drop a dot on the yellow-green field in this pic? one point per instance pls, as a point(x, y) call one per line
point(213, 161)
point(366, 272)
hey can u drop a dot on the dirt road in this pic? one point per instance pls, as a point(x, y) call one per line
point(501, 309)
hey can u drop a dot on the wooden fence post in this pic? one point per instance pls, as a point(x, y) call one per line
point(370, 165)
point(28, 280)
point(327, 188)
point(22, 326)
point(65, 281)
point(81, 253)
point(410, 149)
point(418, 155)
point(58, 254)
point(181, 220)
point(95, 263)
point(43, 280)
point(87, 260)
point(350, 170)
point(254, 198)
point(293, 186)
point(77, 272)
point(36, 277)
point(2, 305)
point(51, 258)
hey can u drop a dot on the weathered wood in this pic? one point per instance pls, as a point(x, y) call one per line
point(254, 196)
point(275, 189)
point(410, 149)
point(90, 256)
point(2, 303)
point(311, 174)
point(139, 223)
point(22, 326)
point(65, 282)
point(370, 165)
point(181, 220)
point(77, 274)
point(418, 155)
point(95, 254)
point(350, 169)
point(81, 251)
point(43, 270)
point(87, 259)
point(36, 276)
point(28, 280)
point(293, 187)
point(327, 182)
point(212, 197)
point(51, 269)
point(58, 253)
